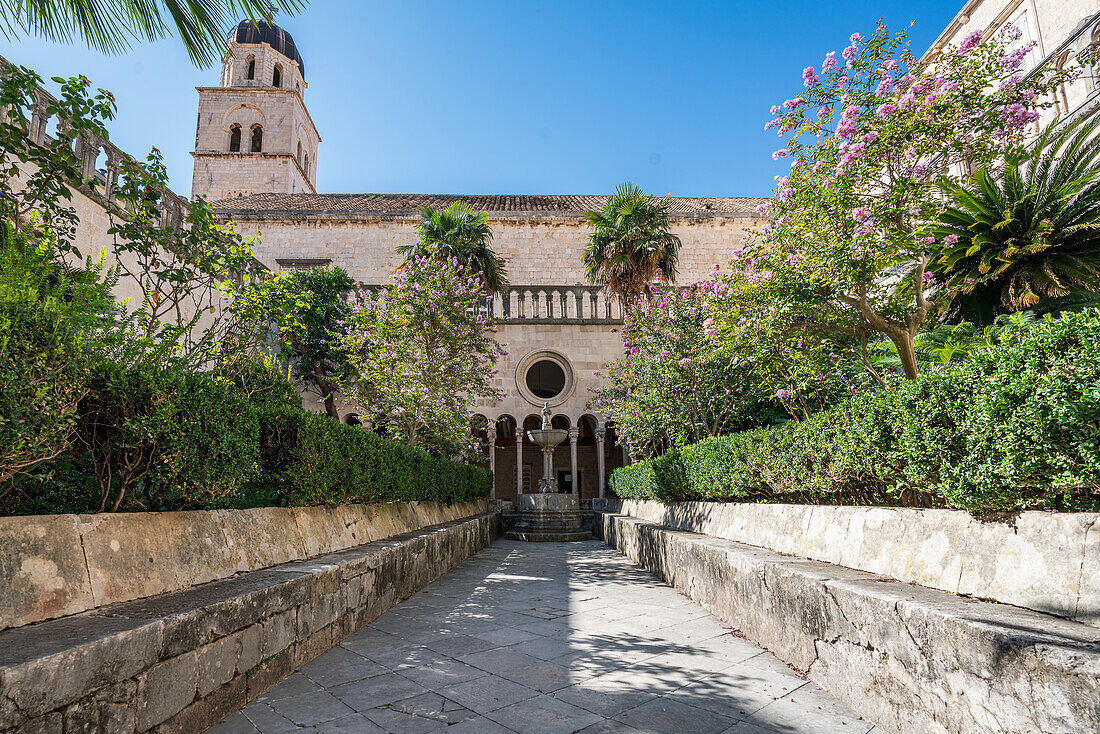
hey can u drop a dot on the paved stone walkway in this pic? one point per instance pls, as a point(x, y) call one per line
point(541, 638)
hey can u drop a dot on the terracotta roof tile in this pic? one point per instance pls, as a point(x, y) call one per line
point(395, 204)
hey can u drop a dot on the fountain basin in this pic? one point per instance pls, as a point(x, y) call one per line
point(548, 517)
point(548, 438)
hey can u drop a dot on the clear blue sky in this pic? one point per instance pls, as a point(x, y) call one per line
point(517, 96)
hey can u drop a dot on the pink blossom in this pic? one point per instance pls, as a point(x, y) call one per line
point(951, 239)
point(808, 77)
point(829, 64)
point(886, 109)
point(971, 41)
point(781, 153)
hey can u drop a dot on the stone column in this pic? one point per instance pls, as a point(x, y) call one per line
point(519, 460)
point(491, 433)
point(601, 433)
point(573, 459)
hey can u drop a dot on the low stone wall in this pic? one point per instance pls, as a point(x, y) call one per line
point(1049, 562)
point(181, 662)
point(908, 658)
point(55, 565)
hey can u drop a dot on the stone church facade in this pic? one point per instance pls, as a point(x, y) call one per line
point(557, 330)
point(256, 153)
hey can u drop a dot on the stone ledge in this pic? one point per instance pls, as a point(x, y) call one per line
point(909, 658)
point(180, 662)
point(57, 565)
point(1049, 562)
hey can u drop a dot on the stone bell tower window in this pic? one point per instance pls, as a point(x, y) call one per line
point(235, 139)
point(277, 76)
point(251, 68)
point(257, 139)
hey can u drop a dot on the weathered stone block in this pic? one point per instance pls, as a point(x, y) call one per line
point(165, 689)
point(207, 711)
point(279, 632)
point(217, 663)
point(251, 647)
point(1042, 561)
point(135, 555)
point(43, 569)
point(47, 666)
point(49, 724)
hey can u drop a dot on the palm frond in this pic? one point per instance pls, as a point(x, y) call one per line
point(1028, 234)
point(110, 26)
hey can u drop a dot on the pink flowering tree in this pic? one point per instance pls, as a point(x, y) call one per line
point(782, 350)
point(422, 352)
point(674, 384)
point(869, 139)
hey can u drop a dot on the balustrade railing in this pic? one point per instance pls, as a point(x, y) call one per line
point(557, 304)
point(90, 149)
point(549, 304)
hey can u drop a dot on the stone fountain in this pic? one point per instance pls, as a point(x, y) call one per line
point(548, 515)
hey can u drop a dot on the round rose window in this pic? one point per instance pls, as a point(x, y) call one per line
point(545, 379)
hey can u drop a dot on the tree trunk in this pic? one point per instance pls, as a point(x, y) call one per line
point(326, 391)
point(903, 341)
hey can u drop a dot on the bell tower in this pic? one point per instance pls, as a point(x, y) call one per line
point(254, 133)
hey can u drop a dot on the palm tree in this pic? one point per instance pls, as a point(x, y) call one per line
point(459, 232)
point(110, 25)
point(1028, 233)
point(630, 244)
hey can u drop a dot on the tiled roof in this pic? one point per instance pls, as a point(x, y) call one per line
point(396, 204)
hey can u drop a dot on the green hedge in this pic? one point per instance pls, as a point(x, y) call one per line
point(1015, 427)
point(309, 459)
point(169, 439)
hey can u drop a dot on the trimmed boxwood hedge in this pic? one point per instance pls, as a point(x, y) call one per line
point(1014, 427)
point(186, 440)
point(309, 459)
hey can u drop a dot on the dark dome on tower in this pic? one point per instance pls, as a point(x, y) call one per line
point(258, 31)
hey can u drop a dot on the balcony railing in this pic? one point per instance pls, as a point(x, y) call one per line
point(549, 304)
point(556, 304)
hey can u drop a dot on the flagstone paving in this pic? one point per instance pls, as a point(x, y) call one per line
point(542, 638)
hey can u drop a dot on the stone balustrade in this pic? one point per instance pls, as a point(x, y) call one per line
point(99, 183)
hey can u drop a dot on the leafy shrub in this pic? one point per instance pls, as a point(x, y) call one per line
point(165, 438)
point(310, 459)
point(49, 320)
point(1015, 427)
point(263, 380)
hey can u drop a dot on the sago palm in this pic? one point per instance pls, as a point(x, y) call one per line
point(110, 25)
point(630, 244)
point(459, 232)
point(1027, 233)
